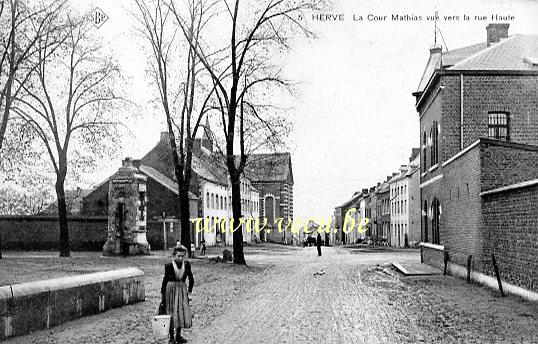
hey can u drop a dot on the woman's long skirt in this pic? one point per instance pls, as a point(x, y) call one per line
point(177, 305)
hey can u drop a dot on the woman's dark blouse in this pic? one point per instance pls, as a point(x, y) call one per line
point(170, 276)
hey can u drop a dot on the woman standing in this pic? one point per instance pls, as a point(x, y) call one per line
point(174, 293)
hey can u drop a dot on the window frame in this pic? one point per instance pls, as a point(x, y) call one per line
point(497, 126)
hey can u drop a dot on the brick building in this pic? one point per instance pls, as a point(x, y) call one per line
point(272, 176)
point(479, 156)
point(210, 192)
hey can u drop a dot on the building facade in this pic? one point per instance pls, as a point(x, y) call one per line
point(271, 175)
point(479, 135)
point(405, 204)
point(210, 194)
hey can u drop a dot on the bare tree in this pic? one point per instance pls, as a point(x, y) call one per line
point(21, 27)
point(70, 104)
point(180, 92)
point(255, 31)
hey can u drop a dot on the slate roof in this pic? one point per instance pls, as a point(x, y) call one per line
point(450, 58)
point(163, 180)
point(160, 159)
point(517, 52)
point(509, 54)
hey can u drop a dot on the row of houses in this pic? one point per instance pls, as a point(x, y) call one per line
point(390, 207)
point(266, 192)
point(471, 192)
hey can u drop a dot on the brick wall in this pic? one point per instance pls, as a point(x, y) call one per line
point(504, 163)
point(511, 233)
point(43, 233)
point(515, 94)
point(414, 208)
point(96, 203)
point(432, 256)
point(429, 113)
point(461, 207)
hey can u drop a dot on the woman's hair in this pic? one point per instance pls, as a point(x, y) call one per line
point(179, 248)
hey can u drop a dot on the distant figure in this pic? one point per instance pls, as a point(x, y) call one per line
point(318, 244)
point(203, 248)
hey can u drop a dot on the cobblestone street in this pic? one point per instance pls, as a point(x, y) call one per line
point(289, 295)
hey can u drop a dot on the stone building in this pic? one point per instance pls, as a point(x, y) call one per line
point(405, 204)
point(478, 110)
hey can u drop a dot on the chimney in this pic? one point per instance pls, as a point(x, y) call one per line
point(136, 163)
point(435, 49)
point(496, 32)
point(364, 191)
point(414, 153)
point(127, 162)
point(389, 177)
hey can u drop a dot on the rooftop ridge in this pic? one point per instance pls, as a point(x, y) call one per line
point(483, 51)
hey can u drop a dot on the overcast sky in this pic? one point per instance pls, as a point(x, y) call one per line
point(355, 121)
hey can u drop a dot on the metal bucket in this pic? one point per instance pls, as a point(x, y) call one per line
point(160, 325)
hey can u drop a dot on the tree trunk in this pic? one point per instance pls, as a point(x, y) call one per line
point(1, 248)
point(239, 255)
point(62, 212)
point(184, 214)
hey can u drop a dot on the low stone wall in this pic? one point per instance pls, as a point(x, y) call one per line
point(86, 233)
point(433, 255)
point(32, 306)
point(43, 232)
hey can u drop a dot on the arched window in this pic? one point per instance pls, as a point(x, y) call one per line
point(425, 221)
point(436, 217)
point(434, 152)
point(270, 210)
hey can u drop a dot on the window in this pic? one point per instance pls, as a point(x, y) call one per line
point(424, 140)
point(423, 153)
point(436, 217)
point(425, 220)
point(434, 152)
point(499, 126)
point(207, 196)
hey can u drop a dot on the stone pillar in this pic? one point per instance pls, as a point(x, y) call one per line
point(127, 212)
